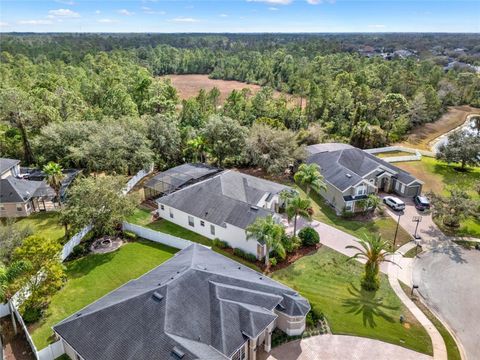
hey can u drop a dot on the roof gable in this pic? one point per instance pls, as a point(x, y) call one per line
point(206, 304)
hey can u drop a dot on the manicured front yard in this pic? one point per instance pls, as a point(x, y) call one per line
point(331, 284)
point(45, 224)
point(438, 176)
point(385, 226)
point(95, 275)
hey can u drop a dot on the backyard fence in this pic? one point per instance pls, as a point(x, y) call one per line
point(157, 236)
point(416, 154)
point(134, 180)
point(25, 330)
point(74, 241)
point(52, 351)
point(4, 310)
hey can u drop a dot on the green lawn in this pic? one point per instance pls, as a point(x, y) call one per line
point(438, 176)
point(384, 226)
point(45, 224)
point(331, 284)
point(143, 218)
point(95, 275)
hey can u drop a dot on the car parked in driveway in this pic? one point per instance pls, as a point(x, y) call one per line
point(394, 203)
point(421, 203)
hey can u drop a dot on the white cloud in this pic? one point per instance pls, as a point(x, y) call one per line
point(278, 2)
point(35, 22)
point(107, 21)
point(3, 24)
point(150, 11)
point(376, 26)
point(273, 8)
point(125, 12)
point(184, 19)
point(223, 15)
point(316, 2)
point(97, 12)
point(65, 13)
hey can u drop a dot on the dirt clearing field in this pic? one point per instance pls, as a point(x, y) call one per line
point(422, 136)
point(189, 85)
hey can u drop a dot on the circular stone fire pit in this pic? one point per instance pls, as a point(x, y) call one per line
point(106, 244)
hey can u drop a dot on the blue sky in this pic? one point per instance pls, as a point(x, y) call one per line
point(240, 16)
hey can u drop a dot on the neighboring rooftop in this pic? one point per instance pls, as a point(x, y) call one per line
point(13, 190)
point(343, 165)
point(199, 303)
point(7, 164)
point(229, 197)
point(177, 177)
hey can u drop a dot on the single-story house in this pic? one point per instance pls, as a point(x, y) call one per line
point(351, 174)
point(20, 197)
point(197, 305)
point(223, 206)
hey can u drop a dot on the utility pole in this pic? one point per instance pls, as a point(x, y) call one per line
point(396, 230)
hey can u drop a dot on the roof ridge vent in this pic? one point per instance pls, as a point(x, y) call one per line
point(348, 175)
point(253, 207)
point(157, 296)
point(179, 354)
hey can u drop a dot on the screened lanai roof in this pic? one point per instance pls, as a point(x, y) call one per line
point(179, 176)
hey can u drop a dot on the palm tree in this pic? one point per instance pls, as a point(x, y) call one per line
point(198, 148)
point(8, 275)
point(298, 207)
point(373, 202)
point(267, 231)
point(55, 176)
point(374, 250)
point(309, 175)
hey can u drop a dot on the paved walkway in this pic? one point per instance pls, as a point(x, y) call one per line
point(339, 240)
point(340, 347)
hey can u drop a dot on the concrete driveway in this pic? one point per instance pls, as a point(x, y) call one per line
point(340, 347)
point(427, 230)
point(448, 280)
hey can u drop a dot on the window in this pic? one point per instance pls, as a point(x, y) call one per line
point(202, 223)
point(349, 206)
point(171, 214)
point(212, 229)
point(240, 354)
point(190, 221)
point(19, 207)
point(402, 190)
point(28, 206)
point(162, 207)
point(361, 190)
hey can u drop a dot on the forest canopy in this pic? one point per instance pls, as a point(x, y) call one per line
point(98, 102)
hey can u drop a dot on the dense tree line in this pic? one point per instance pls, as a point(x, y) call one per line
point(96, 101)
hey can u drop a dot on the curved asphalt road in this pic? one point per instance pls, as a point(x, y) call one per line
point(448, 279)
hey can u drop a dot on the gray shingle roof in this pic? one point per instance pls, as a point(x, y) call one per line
point(13, 190)
point(224, 198)
point(206, 305)
point(6, 164)
point(344, 165)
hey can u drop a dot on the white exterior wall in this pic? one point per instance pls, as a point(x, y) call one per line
point(236, 237)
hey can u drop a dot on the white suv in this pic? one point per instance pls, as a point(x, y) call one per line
point(394, 203)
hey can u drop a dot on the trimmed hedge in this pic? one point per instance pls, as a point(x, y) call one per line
point(309, 236)
point(244, 255)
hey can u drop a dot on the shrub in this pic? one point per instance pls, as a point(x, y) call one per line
point(31, 314)
point(79, 251)
point(273, 261)
point(128, 235)
point(220, 243)
point(290, 244)
point(244, 255)
point(309, 236)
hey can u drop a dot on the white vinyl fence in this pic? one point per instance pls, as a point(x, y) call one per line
point(157, 236)
point(74, 241)
point(52, 351)
point(4, 311)
point(416, 154)
point(27, 334)
point(134, 180)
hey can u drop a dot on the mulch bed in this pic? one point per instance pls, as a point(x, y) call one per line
point(16, 347)
point(291, 258)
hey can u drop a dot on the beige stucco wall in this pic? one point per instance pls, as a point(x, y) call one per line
point(290, 325)
point(10, 210)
